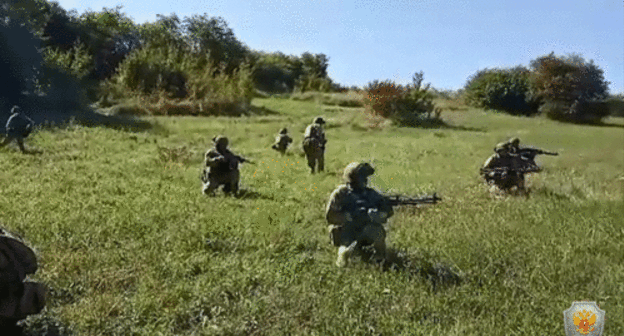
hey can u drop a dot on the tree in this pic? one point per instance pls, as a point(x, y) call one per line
point(570, 88)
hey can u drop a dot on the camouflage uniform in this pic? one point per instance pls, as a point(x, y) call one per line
point(18, 127)
point(356, 214)
point(18, 298)
point(222, 168)
point(314, 145)
point(282, 141)
point(505, 168)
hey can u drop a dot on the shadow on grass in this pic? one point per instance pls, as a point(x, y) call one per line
point(434, 123)
point(250, 194)
point(261, 111)
point(40, 325)
point(425, 267)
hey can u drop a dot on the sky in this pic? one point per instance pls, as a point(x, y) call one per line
point(393, 39)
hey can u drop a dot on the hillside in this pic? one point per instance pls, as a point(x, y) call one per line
point(130, 246)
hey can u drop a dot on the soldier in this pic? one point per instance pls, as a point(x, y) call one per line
point(314, 144)
point(282, 141)
point(502, 169)
point(18, 298)
point(356, 214)
point(18, 127)
point(222, 166)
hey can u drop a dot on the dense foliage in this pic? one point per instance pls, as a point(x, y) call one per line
point(280, 73)
point(502, 89)
point(570, 88)
point(405, 105)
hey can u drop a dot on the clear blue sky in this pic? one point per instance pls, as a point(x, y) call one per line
point(392, 39)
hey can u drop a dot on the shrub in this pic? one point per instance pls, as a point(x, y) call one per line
point(616, 105)
point(571, 88)
point(507, 90)
point(405, 105)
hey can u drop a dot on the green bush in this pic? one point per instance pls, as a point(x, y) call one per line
point(616, 105)
point(405, 105)
point(508, 90)
point(570, 88)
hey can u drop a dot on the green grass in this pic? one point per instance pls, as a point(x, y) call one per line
point(130, 246)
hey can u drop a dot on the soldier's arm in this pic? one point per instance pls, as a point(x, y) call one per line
point(308, 131)
point(213, 158)
point(336, 212)
point(382, 203)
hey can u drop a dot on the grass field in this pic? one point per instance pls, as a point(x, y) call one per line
point(129, 246)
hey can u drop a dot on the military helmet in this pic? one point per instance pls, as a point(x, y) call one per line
point(284, 130)
point(319, 120)
point(501, 147)
point(514, 141)
point(15, 109)
point(357, 170)
point(220, 141)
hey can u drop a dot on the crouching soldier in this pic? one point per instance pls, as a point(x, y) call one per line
point(221, 168)
point(356, 214)
point(314, 145)
point(18, 298)
point(282, 141)
point(18, 127)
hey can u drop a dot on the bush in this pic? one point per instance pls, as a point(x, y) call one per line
point(405, 105)
point(579, 111)
point(616, 105)
point(507, 90)
point(570, 88)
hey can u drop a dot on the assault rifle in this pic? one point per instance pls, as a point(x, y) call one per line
point(396, 200)
point(531, 153)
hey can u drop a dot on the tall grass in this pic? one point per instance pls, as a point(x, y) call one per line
point(130, 246)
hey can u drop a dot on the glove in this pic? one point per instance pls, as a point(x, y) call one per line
point(377, 216)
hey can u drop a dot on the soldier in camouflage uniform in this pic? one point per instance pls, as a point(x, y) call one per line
point(18, 127)
point(356, 214)
point(502, 170)
point(314, 145)
point(221, 168)
point(282, 141)
point(18, 298)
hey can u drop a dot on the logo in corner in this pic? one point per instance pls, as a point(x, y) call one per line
point(584, 318)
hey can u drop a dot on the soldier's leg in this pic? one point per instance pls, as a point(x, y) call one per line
point(376, 234)
point(231, 186)
point(210, 186)
point(311, 162)
point(20, 143)
point(343, 254)
point(321, 161)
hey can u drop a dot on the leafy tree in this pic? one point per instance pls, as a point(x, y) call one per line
point(212, 36)
point(571, 88)
point(507, 90)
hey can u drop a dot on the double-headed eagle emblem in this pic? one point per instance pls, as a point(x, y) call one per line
point(584, 318)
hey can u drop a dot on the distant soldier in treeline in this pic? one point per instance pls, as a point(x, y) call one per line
point(221, 168)
point(314, 145)
point(18, 298)
point(18, 127)
point(282, 141)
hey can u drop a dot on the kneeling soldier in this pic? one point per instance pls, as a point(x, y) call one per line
point(221, 168)
point(356, 214)
point(18, 298)
point(18, 127)
point(282, 141)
